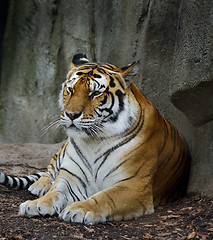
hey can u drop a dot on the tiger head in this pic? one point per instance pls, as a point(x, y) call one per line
point(95, 98)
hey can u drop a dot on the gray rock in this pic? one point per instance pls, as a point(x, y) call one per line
point(28, 158)
point(192, 81)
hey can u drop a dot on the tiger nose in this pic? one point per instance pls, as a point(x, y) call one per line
point(73, 116)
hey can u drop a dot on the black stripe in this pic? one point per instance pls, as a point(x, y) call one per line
point(104, 101)
point(60, 158)
point(70, 190)
point(121, 83)
point(21, 183)
point(80, 180)
point(115, 168)
point(80, 73)
point(170, 192)
point(57, 168)
point(89, 66)
point(85, 197)
point(37, 175)
point(120, 96)
point(96, 82)
point(6, 180)
point(165, 136)
point(64, 149)
point(86, 68)
point(112, 82)
point(97, 75)
point(79, 167)
point(109, 109)
point(54, 167)
point(80, 154)
point(108, 66)
point(14, 183)
point(173, 138)
point(29, 182)
point(180, 163)
point(112, 201)
point(134, 175)
point(99, 115)
point(113, 100)
point(179, 158)
point(101, 70)
point(53, 170)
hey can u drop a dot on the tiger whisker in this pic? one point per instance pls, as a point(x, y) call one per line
point(54, 124)
point(96, 131)
point(50, 118)
point(57, 128)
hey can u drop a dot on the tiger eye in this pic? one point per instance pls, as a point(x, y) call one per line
point(95, 94)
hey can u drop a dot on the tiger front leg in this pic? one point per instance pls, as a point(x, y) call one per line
point(52, 203)
point(42, 186)
point(45, 182)
point(118, 203)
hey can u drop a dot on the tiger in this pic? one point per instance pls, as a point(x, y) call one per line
point(121, 158)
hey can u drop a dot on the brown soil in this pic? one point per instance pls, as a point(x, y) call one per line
point(189, 218)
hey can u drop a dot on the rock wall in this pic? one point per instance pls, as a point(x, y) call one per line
point(173, 40)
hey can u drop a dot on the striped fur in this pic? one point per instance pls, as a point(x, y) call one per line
point(121, 158)
point(19, 183)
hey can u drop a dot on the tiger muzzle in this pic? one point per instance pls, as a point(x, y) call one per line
point(73, 116)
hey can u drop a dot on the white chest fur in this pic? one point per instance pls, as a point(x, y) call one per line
point(97, 164)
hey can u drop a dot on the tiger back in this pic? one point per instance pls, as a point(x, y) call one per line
point(173, 156)
point(121, 158)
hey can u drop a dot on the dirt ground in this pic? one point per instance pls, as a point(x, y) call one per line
point(189, 218)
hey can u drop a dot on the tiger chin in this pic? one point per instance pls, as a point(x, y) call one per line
point(121, 159)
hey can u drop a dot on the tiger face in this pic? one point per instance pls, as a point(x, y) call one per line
point(94, 98)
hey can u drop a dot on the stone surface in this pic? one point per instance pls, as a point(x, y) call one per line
point(40, 39)
point(28, 158)
point(192, 80)
point(172, 39)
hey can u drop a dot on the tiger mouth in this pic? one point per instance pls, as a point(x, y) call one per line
point(91, 128)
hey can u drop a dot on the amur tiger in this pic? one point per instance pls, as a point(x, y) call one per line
point(121, 158)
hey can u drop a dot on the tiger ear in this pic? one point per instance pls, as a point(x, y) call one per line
point(78, 59)
point(131, 69)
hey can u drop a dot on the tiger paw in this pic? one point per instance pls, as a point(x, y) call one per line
point(28, 209)
point(40, 187)
point(82, 212)
point(41, 207)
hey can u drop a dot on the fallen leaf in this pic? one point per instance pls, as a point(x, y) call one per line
point(89, 229)
point(147, 236)
point(201, 235)
point(186, 208)
point(170, 216)
point(148, 225)
point(164, 234)
point(191, 235)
